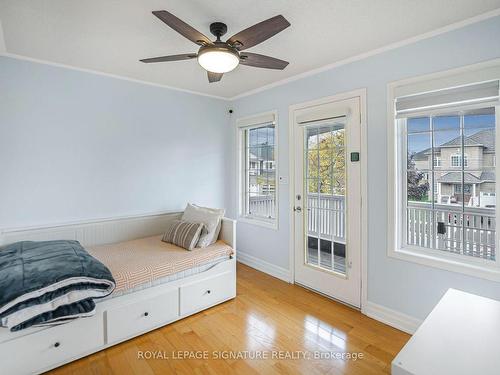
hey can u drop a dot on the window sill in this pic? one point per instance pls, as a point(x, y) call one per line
point(450, 262)
point(270, 224)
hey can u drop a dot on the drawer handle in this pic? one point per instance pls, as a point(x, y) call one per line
point(146, 313)
point(57, 344)
point(208, 291)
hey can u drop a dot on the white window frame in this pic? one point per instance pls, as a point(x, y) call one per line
point(481, 268)
point(459, 158)
point(243, 124)
point(437, 161)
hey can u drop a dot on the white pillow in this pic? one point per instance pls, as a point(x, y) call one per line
point(220, 211)
point(211, 217)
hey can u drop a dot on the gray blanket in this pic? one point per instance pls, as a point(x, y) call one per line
point(49, 282)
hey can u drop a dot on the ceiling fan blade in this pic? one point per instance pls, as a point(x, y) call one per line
point(186, 56)
point(182, 27)
point(214, 77)
point(262, 61)
point(258, 33)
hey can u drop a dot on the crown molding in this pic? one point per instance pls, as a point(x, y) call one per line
point(364, 55)
point(389, 47)
point(91, 71)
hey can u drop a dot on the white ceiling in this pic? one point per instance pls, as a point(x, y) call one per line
point(110, 36)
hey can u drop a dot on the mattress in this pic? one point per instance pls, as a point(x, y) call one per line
point(145, 262)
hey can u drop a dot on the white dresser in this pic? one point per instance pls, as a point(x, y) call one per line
point(461, 336)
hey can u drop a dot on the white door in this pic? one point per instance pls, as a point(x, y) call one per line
point(327, 206)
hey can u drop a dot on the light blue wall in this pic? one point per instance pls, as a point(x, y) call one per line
point(75, 145)
point(403, 286)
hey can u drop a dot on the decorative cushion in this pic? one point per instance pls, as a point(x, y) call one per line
point(184, 234)
point(219, 211)
point(211, 217)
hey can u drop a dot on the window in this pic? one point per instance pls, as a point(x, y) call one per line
point(458, 188)
point(443, 170)
point(258, 179)
point(456, 160)
point(449, 224)
point(441, 211)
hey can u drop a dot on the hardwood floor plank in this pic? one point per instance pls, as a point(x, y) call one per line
point(268, 316)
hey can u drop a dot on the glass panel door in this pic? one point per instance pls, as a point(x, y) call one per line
point(325, 204)
point(327, 198)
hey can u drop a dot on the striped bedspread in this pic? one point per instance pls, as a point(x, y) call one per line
point(142, 261)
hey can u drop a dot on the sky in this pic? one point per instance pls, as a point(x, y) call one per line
point(446, 128)
point(261, 136)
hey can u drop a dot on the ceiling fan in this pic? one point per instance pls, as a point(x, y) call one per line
point(218, 57)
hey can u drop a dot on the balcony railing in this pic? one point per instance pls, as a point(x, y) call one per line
point(469, 233)
point(326, 217)
point(447, 228)
point(263, 206)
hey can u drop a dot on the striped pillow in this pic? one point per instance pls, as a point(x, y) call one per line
point(183, 234)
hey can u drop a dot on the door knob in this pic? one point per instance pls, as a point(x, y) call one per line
point(297, 209)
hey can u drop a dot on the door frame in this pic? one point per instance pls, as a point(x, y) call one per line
point(361, 94)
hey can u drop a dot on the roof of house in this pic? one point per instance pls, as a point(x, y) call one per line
point(488, 176)
point(456, 177)
point(484, 138)
point(261, 153)
point(469, 178)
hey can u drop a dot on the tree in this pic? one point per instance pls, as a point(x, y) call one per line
point(326, 164)
point(417, 189)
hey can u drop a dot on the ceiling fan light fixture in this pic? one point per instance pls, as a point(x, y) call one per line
point(218, 59)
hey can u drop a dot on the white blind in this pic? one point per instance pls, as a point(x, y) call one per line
point(266, 118)
point(321, 112)
point(470, 95)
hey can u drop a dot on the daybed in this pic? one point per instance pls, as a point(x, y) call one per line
point(156, 284)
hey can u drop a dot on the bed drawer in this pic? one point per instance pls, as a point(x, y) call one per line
point(207, 292)
point(52, 346)
point(141, 315)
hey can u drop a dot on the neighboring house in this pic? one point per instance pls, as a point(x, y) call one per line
point(479, 172)
point(262, 171)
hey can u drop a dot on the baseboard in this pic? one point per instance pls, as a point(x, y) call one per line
point(396, 319)
point(393, 318)
point(263, 266)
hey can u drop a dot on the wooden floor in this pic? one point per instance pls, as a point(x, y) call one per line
point(269, 317)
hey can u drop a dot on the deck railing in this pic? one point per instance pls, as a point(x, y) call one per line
point(262, 205)
point(326, 217)
point(326, 214)
point(470, 233)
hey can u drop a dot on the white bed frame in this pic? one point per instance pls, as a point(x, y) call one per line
point(36, 350)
